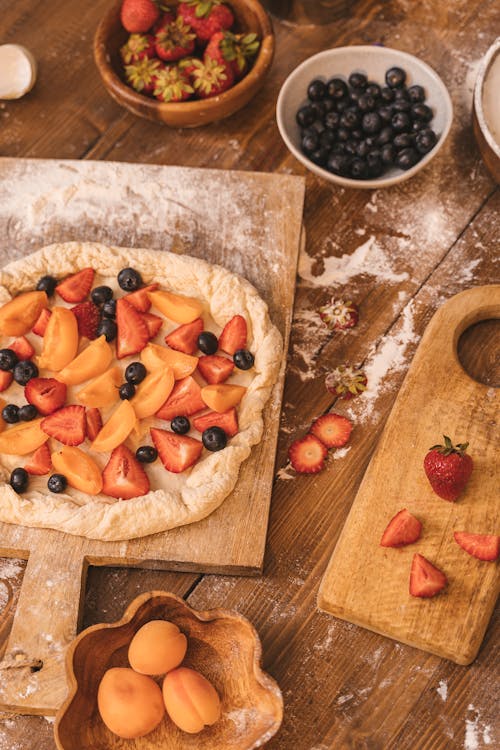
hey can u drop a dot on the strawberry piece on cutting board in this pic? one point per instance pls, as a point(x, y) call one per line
point(425, 579)
point(307, 455)
point(448, 469)
point(483, 546)
point(402, 529)
point(333, 430)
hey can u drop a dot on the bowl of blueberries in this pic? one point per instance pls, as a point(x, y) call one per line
point(364, 116)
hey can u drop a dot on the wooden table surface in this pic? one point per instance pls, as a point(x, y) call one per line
point(399, 253)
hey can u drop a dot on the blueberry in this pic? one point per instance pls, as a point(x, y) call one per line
point(366, 102)
point(126, 391)
point(371, 123)
point(359, 169)
point(27, 413)
point(342, 104)
point(374, 163)
point(401, 105)
point(343, 134)
point(421, 112)
point(386, 113)
point(357, 134)
point(373, 89)
point(101, 294)
point(318, 109)
point(358, 80)
point(10, 413)
point(388, 154)
point(146, 454)
point(401, 122)
point(305, 116)
point(24, 371)
point(395, 77)
point(328, 104)
point(425, 140)
point(327, 138)
point(351, 148)
point(47, 284)
point(129, 279)
point(180, 425)
point(349, 119)
point(207, 342)
point(243, 359)
point(407, 158)
point(214, 438)
point(362, 149)
point(57, 483)
point(8, 359)
point(19, 480)
point(135, 373)
point(337, 88)
point(416, 94)
point(320, 156)
point(310, 142)
point(418, 125)
point(107, 328)
point(387, 94)
point(332, 120)
point(109, 309)
point(385, 136)
point(401, 94)
point(316, 90)
point(339, 164)
point(403, 140)
point(337, 148)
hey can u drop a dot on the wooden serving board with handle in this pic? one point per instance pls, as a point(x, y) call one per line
point(367, 584)
point(248, 222)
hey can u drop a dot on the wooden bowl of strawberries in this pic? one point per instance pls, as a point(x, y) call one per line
point(188, 64)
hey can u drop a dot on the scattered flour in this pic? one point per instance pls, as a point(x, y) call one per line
point(477, 734)
point(341, 453)
point(286, 472)
point(442, 690)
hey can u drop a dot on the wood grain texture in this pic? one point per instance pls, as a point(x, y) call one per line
point(343, 686)
point(368, 584)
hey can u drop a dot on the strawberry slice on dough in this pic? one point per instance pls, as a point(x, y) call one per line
point(123, 476)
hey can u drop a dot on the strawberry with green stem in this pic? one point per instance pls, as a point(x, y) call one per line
point(172, 85)
point(138, 47)
point(206, 17)
point(209, 78)
point(142, 75)
point(339, 314)
point(236, 50)
point(346, 382)
point(448, 468)
point(174, 40)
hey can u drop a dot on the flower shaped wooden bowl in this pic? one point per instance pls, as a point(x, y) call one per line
point(250, 16)
point(222, 645)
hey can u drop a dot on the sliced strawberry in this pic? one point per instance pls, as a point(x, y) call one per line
point(425, 579)
point(177, 452)
point(307, 456)
point(41, 323)
point(402, 529)
point(483, 546)
point(47, 394)
point(234, 335)
point(185, 338)
point(184, 400)
point(215, 369)
point(133, 333)
point(87, 316)
point(22, 347)
point(93, 422)
point(66, 425)
point(140, 299)
point(76, 287)
point(123, 476)
point(6, 379)
point(333, 430)
point(226, 420)
point(153, 323)
point(40, 462)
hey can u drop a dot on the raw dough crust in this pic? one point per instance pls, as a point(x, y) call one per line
point(210, 481)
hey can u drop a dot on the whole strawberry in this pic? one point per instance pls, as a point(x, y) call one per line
point(206, 17)
point(138, 47)
point(209, 78)
point(172, 85)
point(139, 15)
point(174, 40)
point(142, 75)
point(346, 382)
point(234, 49)
point(448, 468)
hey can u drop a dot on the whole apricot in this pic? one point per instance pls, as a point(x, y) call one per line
point(157, 647)
point(190, 699)
point(130, 704)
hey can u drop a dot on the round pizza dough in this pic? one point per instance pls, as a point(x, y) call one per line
point(198, 491)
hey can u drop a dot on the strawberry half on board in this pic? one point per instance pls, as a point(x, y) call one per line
point(483, 546)
point(401, 530)
point(333, 430)
point(307, 455)
point(448, 469)
point(206, 17)
point(425, 579)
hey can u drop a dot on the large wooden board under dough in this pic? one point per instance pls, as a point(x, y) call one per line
point(248, 222)
point(368, 584)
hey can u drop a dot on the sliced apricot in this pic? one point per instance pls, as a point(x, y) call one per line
point(79, 468)
point(153, 392)
point(92, 361)
point(103, 390)
point(24, 438)
point(154, 356)
point(222, 396)
point(176, 307)
point(60, 342)
point(20, 314)
point(117, 428)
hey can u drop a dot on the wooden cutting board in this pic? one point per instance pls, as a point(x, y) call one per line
point(248, 222)
point(367, 584)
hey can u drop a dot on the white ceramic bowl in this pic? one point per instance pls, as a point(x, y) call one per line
point(485, 118)
point(374, 61)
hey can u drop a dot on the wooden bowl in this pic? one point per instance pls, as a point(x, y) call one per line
point(485, 123)
point(250, 16)
point(222, 645)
